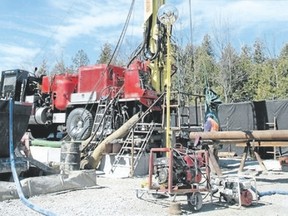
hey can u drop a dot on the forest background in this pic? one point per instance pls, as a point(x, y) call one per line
point(252, 74)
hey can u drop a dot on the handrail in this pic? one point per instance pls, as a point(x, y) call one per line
point(149, 108)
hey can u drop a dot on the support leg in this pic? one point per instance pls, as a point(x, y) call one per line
point(244, 157)
point(213, 162)
point(260, 162)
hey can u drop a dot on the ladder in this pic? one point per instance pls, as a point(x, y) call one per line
point(98, 125)
point(274, 152)
point(101, 118)
point(101, 121)
point(180, 111)
point(183, 110)
point(134, 146)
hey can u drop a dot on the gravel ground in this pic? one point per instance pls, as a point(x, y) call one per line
point(117, 196)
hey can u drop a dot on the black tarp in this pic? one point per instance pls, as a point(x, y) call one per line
point(238, 116)
point(257, 115)
point(278, 109)
point(244, 116)
point(21, 116)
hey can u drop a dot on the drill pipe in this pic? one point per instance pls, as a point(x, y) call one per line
point(265, 143)
point(257, 135)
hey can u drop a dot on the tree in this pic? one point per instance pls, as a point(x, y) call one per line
point(59, 67)
point(259, 53)
point(196, 67)
point(282, 70)
point(43, 69)
point(79, 60)
point(106, 54)
point(244, 67)
point(221, 34)
point(204, 66)
point(184, 70)
point(284, 51)
point(207, 45)
point(229, 77)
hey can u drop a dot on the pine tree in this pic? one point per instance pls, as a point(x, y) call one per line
point(79, 60)
point(259, 52)
point(106, 54)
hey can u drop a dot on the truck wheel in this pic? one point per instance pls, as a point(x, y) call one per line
point(79, 124)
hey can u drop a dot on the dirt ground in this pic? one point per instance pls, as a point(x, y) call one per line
point(117, 196)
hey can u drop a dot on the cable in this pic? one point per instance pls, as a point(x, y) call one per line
point(44, 46)
point(191, 38)
point(120, 40)
point(13, 168)
point(123, 31)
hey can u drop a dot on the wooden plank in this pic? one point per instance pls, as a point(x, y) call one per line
point(226, 154)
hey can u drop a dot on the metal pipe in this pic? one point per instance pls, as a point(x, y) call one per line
point(170, 171)
point(196, 111)
point(168, 90)
point(261, 143)
point(207, 168)
point(257, 135)
point(132, 153)
point(238, 142)
point(150, 169)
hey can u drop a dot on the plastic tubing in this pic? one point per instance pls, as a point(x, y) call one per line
point(13, 168)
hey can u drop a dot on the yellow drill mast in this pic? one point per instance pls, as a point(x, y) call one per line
point(155, 39)
point(158, 48)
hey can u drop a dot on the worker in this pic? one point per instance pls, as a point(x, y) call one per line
point(211, 124)
point(25, 141)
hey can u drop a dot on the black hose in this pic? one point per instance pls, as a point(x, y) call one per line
point(13, 168)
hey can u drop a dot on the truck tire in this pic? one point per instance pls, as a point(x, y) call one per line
point(79, 124)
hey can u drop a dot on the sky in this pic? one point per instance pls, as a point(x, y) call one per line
point(34, 30)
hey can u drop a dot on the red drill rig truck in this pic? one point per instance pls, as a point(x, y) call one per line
point(71, 102)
